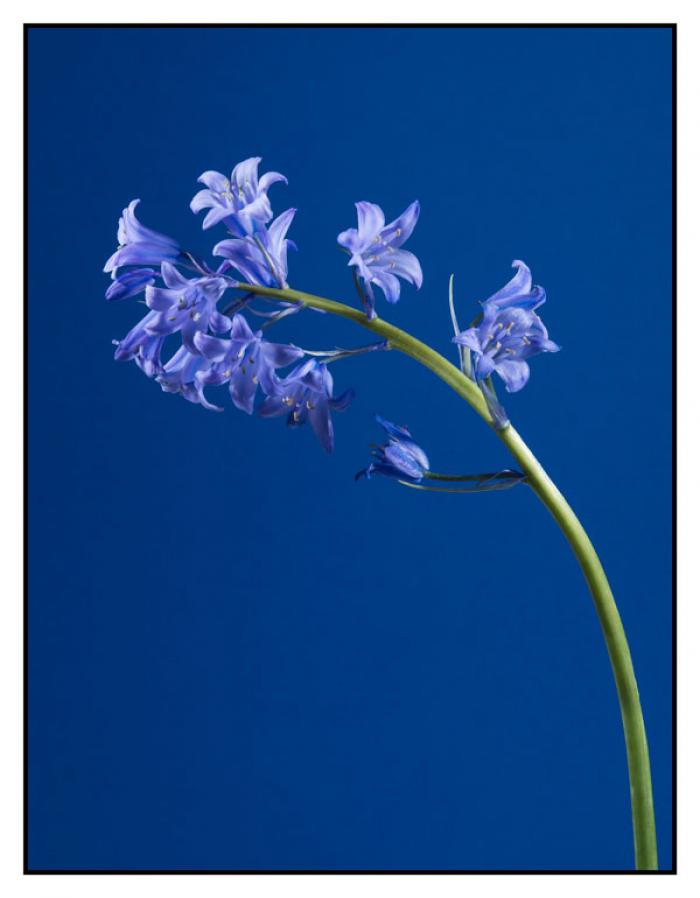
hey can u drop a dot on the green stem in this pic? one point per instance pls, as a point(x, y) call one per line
point(499, 475)
point(608, 615)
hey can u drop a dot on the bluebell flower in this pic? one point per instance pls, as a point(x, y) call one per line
point(180, 375)
point(139, 245)
point(518, 292)
point(306, 394)
point(263, 263)
point(186, 305)
point(241, 202)
point(131, 283)
point(503, 341)
point(401, 457)
point(245, 362)
point(142, 347)
point(375, 254)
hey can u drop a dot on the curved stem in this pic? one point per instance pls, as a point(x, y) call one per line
point(618, 649)
point(497, 475)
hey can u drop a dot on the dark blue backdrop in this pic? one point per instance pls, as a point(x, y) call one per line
point(240, 658)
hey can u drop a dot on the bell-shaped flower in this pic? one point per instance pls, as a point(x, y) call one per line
point(518, 292)
point(141, 346)
point(180, 375)
point(245, 362)
point(375, 254)
point(240, 201)
point(306, 394)
point(261, 260)
point(186, 305)
point(139, 245)
point(503, 341)
point(401, 457)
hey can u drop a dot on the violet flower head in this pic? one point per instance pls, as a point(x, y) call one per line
point(245, 362)
point(503, 342)
point(138, 245)
point(186, 305)
point(401, 457)
point(240, 201)
point(180, 375)
point(261, 259)
point(375, 255)
point(142, 347)
point(306, 394)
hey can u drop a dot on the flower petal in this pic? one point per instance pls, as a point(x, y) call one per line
point(213, 348)
point(172, 277)
point(215, 181)
point(402, 263)
point(514, 373)
point(388, 283)
point(160, 300)
point(270, 178)
point(399, 230)
point(278, 355)
point(370, 221)
point(243, 389)
point(130, 283)
point(203, 199)
point(320, 420)
point(245, 174)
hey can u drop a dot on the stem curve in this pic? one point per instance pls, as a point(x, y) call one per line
point(643, 823)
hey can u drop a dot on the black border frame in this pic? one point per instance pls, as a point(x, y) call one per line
point(27, 870)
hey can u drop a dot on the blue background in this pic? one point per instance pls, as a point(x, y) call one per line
point(240, 658)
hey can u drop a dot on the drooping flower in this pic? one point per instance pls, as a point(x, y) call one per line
point(186, 305)
point(375, 254)
point(518, 292)
point(131, 283)
point(263, 259)
point(141, 346)
point(180, 375)
point(503, 341)
point(401, 457)
point(240, 201)
point(245, 362)
point(306, 394)
point(139, 245)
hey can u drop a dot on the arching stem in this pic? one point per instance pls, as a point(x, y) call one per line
point(618, 649)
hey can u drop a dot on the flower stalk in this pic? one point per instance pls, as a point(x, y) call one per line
point(644, 828)
point(222, 349)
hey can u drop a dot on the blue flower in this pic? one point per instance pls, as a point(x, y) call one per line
point(180, 375)
point(401, 457)
point(306, 394)
point(261, 260)
point(375, 254)
point(503, 341)
point(186, 305)
point(245, 362)
point(131, 283)
point(241, 202)
point(518, 292)
point(142, 347)
point(139, 245)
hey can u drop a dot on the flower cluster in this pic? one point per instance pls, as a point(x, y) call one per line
point(508, 334)
point(219, 348)
point(190, 340)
